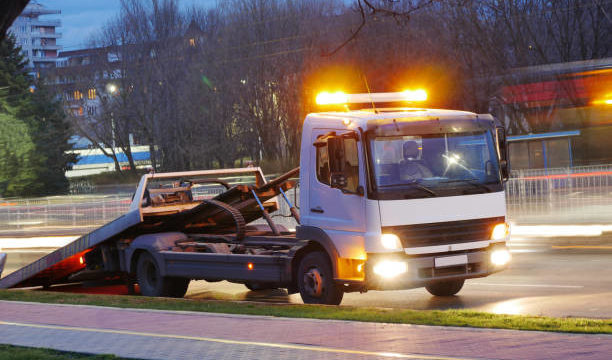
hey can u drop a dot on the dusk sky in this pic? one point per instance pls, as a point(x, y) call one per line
point(81, 18)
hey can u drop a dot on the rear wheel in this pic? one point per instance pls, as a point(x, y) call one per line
point(151, 282)
point(445, 288)
point(316, 280)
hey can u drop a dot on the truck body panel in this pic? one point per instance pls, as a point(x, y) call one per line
point(451, 208)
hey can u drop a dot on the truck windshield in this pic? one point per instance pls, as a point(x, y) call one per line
point(444, 164)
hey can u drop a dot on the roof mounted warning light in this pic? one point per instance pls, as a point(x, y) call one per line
point(339, 98)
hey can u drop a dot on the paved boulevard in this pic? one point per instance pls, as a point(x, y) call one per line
point(183, 335)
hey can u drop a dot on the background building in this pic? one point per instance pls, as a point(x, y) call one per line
point(568, 108)
point(38, 36)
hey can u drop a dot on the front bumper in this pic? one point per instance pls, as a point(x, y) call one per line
point(421, 270)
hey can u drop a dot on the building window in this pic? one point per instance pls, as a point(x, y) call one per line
point(91, 94)
point(192, 42)
point(78, 96)
point(91, 110)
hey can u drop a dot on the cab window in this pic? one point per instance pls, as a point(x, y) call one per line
point(338, 158)
point(351, 165)
point(323, 165)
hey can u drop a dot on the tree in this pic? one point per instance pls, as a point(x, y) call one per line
point(209, 87)
point(50, 131)
point(34, 133)
point(17, 175)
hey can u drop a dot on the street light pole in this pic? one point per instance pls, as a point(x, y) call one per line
point(113, 130)
point(112, 89)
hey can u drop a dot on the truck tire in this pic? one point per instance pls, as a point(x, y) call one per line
point(316, 280)
point(151, 282)
point(445, 288)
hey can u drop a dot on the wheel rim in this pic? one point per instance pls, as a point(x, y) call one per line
point(313, 282)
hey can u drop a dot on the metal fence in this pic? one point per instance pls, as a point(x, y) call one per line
point(76, 215)
point(64, 214)
point(577, 195)
point(561, 195)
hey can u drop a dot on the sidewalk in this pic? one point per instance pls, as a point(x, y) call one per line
point(152, 334)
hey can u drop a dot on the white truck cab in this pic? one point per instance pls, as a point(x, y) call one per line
point(405, 197)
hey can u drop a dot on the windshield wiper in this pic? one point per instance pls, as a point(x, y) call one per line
point(473, 182)
point(414, 184)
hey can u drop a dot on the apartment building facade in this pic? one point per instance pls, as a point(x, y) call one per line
point(36, 33)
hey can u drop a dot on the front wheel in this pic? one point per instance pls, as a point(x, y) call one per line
point(445, 288)
point(151, 282)
point(316, 280)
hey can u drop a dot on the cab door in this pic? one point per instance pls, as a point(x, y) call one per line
point(337, 179)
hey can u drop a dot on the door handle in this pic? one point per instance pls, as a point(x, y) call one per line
point(317, 210)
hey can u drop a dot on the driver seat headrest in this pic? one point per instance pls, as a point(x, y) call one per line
point(411, 150)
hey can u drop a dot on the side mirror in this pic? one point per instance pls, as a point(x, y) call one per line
point(338, 181)
point(502, 149)
point(505, 171)
point(489, 169)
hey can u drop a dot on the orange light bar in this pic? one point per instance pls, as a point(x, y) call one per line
point(603, 102)
point(327, 98)
point(339, 98)
point(415, 95)
point(606, 100)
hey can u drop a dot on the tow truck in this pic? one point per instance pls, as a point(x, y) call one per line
point(389, 198)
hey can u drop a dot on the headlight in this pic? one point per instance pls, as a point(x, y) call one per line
point(390, 241)
point(500, 257)
point(389, 269)
point(500, 231)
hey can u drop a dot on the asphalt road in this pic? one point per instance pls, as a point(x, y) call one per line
point(569, 276)
point(568, 282)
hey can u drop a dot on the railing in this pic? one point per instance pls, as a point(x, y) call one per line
point(560, 195)
point(80, 214)
point(60, 214)
point(578, 195)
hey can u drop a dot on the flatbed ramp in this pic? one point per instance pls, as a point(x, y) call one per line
point(57, 266)
point(204, 216)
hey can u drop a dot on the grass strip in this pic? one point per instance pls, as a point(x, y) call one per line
point(28, 353)
point(459, 318)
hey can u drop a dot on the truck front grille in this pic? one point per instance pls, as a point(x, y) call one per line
point(444, 233)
